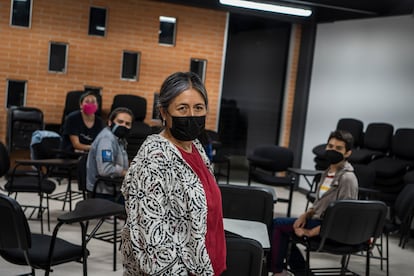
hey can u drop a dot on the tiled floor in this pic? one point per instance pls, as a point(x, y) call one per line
point(100, 258)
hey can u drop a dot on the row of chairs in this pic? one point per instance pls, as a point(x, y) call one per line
point(23, 121)
point(267, 160)
point(38, 182)
point(389, 153)
point(349, 226)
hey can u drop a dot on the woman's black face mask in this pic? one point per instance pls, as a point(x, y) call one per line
point(333, 156)
point(187, 128)
point(119, 131)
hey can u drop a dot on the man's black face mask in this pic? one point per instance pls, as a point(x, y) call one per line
point(333, 156)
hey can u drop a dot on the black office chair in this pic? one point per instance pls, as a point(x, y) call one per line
point(248, 203)
point(26, 181)
point(390, 170)
point(45, 147)
point(266, 163)
point(401, 220)
point(210, 138)
point(21, 247)
point(377, 142)
point(244, 257)
point(403, 214)
point(139, 130)
point(353, 126)
point(348, 226)
point(21, 123)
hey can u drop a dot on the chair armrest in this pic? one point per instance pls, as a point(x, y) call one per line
point(92, 208)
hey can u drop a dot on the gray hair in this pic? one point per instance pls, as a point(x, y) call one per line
point(177, 83)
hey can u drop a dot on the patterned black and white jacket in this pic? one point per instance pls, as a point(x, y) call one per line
point(167, 213)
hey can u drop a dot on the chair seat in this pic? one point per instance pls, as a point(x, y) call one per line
point(268, 179)
point(389, 167)
point(38, 253)
point(336, 247)
point(409, 177)
point(30, 185)
point(221, 158)
point(364, 155)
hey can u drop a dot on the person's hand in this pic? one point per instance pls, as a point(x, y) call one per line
point(300, 222)
point(300, 232)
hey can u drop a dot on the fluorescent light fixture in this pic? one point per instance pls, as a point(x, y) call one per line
point(267, 7)
point(168, 19)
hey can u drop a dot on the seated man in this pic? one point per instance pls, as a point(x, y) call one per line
point(337, 182)
point(107, 156)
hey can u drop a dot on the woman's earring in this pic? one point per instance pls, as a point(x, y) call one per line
point(163, 122)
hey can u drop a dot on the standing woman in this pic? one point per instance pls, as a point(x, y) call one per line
point(173, 203)
point(82, 126)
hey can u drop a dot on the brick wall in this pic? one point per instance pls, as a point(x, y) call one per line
point(96, 61)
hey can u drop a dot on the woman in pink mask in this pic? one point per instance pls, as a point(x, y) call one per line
point(82, 126)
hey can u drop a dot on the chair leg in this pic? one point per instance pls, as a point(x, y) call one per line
point(307, 267)
point(367, 264)
point(344, 264)
point(248, 179)
point(290, 196)
point(48, 213)
point(228, 172)
point(114, 256)
point(387, 254)
point(41, 212)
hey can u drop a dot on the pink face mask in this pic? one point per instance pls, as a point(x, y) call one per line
point(89, 108)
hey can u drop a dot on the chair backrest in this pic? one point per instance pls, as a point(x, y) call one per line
point(378, 136)
point(365, 174)
point(404, 203)
point(14, 231)
point(4, 160)
point(244, 257)
point(21, 123)
point(353, 126)
point(137, 104)
point(271, 158)
point(248, 203)
point(82, 172)
point(402, 143)
point(45, 144)
point(353, 221)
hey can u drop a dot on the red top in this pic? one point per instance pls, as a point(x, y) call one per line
point(215, 241)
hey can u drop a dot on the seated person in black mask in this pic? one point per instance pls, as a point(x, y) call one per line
point(337, 182)
point(107, 156)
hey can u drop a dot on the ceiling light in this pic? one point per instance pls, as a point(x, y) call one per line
point(267, 7)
